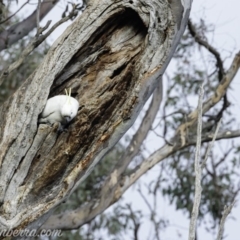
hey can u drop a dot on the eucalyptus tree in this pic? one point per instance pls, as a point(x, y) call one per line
point(113, 57)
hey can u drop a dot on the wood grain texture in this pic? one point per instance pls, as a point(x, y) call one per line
point(112, 57)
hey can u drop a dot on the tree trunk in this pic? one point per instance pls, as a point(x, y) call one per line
point(112, 57)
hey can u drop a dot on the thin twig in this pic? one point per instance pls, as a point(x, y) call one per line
point(198, 172)
point(210, 48)
point(34, 44)
point(227, 210)
point(38, 17)
point(20, 29)
point(210, 146)
point(219, 62)
point(219, 92)
point(135, 221)
point(152, 213)
point(78, 216)
point(6, 19)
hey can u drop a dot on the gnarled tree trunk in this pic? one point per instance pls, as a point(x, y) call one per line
point(112, 57)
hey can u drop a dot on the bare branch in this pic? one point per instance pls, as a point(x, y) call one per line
point(222, 135)
point(213, 100)
point(226, 212)
point(5, 20)
point(146, 201)
point(152, 210)
point(90, 210)
point(136, 222)
point(210, 146)
point(38, 17)
point(209, 47)
point(219, 62)
point(167, 150)
point(198, 172)
point(21, 29)
point(33, 44)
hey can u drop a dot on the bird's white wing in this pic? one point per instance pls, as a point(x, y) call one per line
point(61, 108)
point(53, 105)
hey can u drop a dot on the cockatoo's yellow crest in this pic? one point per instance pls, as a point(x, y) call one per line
point(69, 95)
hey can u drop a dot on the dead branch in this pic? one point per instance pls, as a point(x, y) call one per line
point(12, 15)
point(21, 29)
point(219, 62)
point(219, 92)
point(210, 146)
point(227, 210)
point(34, 44)
point(209, 47)
point(38, 17)
point(198, 172)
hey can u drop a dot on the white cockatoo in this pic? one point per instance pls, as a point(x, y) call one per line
point(61, 108)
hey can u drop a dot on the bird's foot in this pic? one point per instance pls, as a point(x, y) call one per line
point(61, 128)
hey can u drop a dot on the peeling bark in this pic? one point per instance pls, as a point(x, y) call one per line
point(112, 57)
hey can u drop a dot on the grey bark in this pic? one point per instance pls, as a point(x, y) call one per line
point(112, 56)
